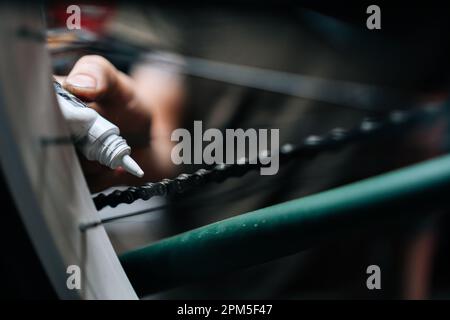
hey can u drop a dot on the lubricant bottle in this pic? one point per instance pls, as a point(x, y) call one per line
point(97, 138)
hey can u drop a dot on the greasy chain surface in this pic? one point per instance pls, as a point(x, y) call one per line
point(310, 146)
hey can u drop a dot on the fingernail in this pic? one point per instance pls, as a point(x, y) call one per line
point(81, 81)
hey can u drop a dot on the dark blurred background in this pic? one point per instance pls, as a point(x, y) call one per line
point(319, 39)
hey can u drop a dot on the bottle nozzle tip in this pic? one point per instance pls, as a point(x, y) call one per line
point(131, 166)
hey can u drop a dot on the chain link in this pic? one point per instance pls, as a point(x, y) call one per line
point(309, 147)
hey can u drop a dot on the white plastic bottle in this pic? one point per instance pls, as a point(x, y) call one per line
point(97, 138)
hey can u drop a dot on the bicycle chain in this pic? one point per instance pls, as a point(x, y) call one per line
point(309, 147)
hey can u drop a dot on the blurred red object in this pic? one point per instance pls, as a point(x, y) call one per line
point(94, 15)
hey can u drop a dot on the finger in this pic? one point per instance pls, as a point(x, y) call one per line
point(93, 78)
point(93, 105)
point(60, 79)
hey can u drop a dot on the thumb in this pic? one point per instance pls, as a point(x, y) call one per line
point(93, 78)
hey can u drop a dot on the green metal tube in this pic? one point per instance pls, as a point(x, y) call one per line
point(287, 228)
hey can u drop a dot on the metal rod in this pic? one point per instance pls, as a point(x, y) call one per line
point(92, 224)
point(341, 93)
point(348, 94)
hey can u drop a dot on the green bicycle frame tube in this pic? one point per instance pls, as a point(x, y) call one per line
point(283, 229)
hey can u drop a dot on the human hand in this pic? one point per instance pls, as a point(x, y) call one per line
point(129, 104)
